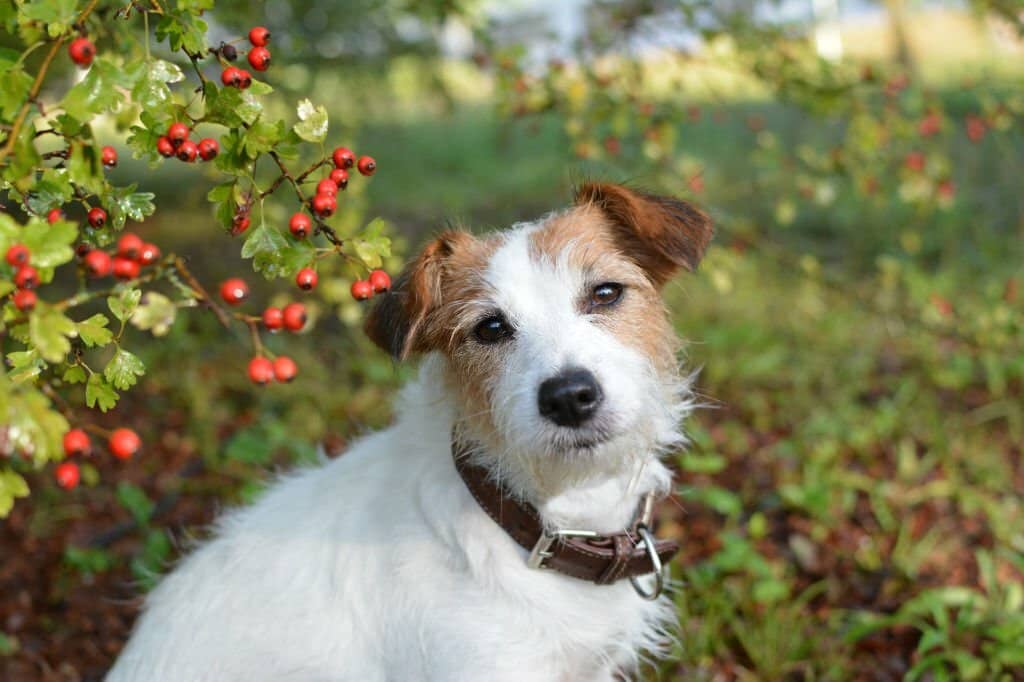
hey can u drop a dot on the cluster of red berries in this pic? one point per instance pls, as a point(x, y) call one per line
point(123, 443)
point(132, 254)
point(263, 370)
point(259, 59)
point(292, 317)
point(26, 277)
point(82, 51)
point(377, 283)
point(325, 201)
point(176, 143)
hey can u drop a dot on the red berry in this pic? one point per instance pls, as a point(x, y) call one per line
point(98, 263)
point(165, 147)
point(339, 176)
point(294, 317)
point(259, 58)
point(234, 290)
point(343, 158)
point(18, 255)
point(129, 245)
point(259, 36)
point(54, 215)
point(188, 151)
point(27, 277)
point(328, 187)
point(914, 161)
point(361, 290)
point(109, 156)
point(306, 279)
point(76, 442)
point(300, 225)
point(231, 76)
point(324, 205)
point(380, 281)
point(148, 254)
point(82, 249)
point(366, 165)
point(97, 217)
point(285, 368)
point(124, 443)
point(178, 133)
point(239, 225)
point(208, 148)
point(244, 79)
point(261, 370)
point(24, 299)
point(273, 319)
point(82, 51)
point(67, 475)
point(125, 268)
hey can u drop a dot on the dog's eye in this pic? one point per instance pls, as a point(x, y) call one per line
point(605, 294)
point(492, 329)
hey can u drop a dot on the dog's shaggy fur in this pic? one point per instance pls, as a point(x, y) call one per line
point(380, 565)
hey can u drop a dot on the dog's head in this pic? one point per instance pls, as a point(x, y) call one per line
point(556, 343)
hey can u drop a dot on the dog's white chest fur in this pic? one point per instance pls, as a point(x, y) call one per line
point(380, 566)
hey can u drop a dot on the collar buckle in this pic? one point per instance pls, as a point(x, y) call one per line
point(542, 550)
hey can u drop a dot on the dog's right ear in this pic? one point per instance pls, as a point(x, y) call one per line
point(400, 321)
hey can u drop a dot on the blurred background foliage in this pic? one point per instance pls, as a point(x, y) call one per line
point(851, 507)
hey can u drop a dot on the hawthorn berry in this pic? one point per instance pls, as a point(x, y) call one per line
point(343, 158)
point(234, 290)
point(300, 225)
point(108, 155)
point(54, 215)
point(82, 51)
point(366, 165)
point(294, 315)
point(148, 254)
point(261, 370)
point(361, 290)
point(259, 58)
point(239, 225)
point(178, 133)
point(165, 147)
point(188, 151)
point(306, 279)
point(24, 299)
point(76, 442)
point(324, 205)
point(125, 268)
point(231, 77)
point(327, 186)
point(246, 79)
point(273, 319)
point(380, 281)
point(124, 443)
point(98, 263)
point(129, 244)
point(285, 368)
point(208, 149)
point(67, 475)
point(339, 176)
point(18, 255)
point(82, 249)
point(259, 36)
point(228, 51)
point(97, 217)
point(27, 277)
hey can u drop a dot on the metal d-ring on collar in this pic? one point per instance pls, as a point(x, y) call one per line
point(659, 570)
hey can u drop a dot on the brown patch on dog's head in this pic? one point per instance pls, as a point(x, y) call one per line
point(411, 318)
point(660, 234)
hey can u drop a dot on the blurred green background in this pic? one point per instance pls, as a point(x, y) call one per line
point(851, 508)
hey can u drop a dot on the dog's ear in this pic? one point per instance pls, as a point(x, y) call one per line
point(660, 234)
point(399, 321)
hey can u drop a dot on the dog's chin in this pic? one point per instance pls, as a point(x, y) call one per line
point(581, 443)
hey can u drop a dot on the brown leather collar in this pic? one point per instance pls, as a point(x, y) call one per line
point(601, 559)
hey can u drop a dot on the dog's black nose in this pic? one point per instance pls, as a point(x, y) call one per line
point(571, 398)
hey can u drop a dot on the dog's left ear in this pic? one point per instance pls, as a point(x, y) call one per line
point(661, 234)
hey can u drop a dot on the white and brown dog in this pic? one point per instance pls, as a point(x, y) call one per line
point(440, 548)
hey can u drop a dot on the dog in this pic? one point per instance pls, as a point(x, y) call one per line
point(499, 529)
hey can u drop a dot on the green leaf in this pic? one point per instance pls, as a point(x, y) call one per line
point(132, 498)
point(124, 202)
point(123, 369)
point(86, 169)
point(99, 91)
point(124, 305)
point(151, 91)
point(156, 314)
point(58, 15)
point(50, 244)
point(98, 393)
point(94, 332)
point(49, 330)
point(261, 137)
point(12, 486)
point(312, 125)
point(74, 374)
point(53, 190)
point(14, 87)
point(373, 246)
